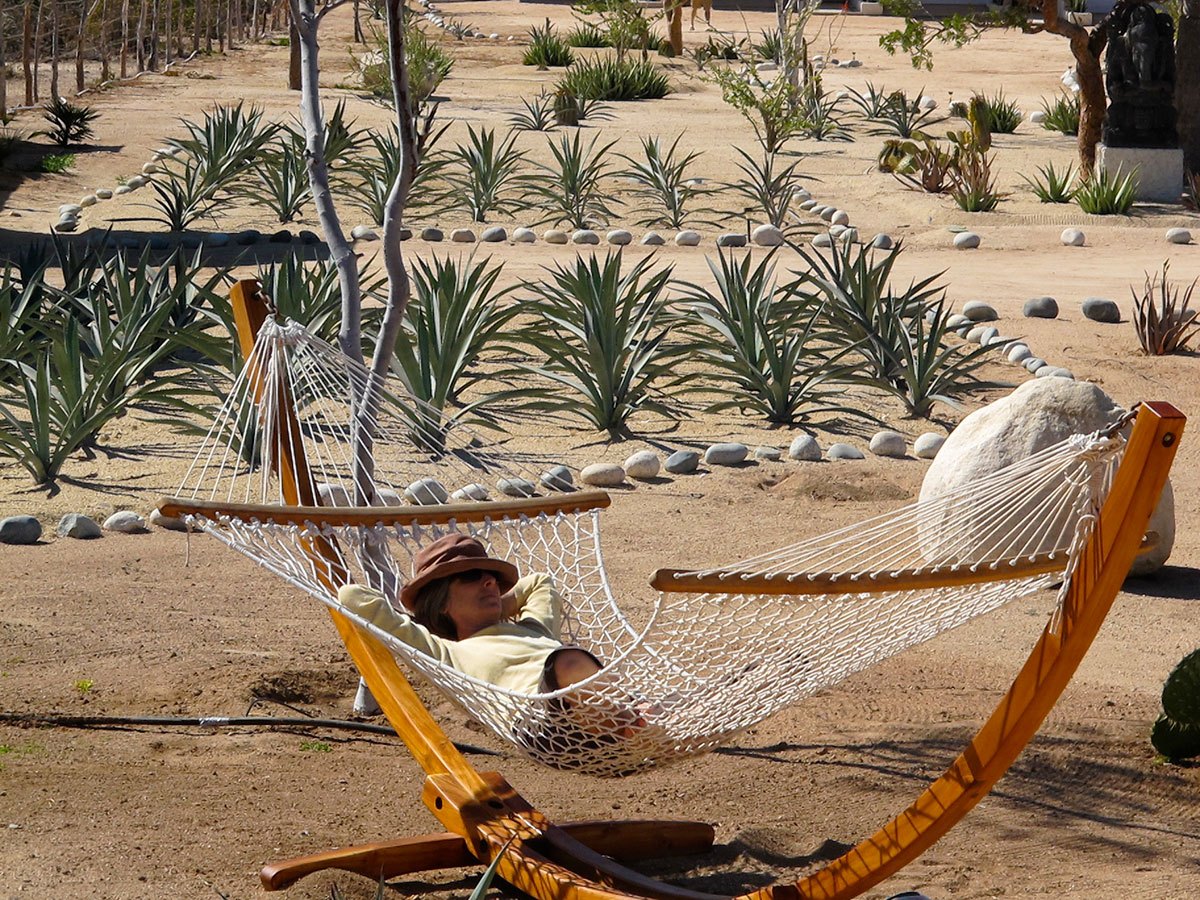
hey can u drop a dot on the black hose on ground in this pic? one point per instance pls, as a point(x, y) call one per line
point(39, 720)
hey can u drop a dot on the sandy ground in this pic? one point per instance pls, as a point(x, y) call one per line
point(157, 625)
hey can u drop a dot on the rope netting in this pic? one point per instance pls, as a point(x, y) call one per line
point(706, 665)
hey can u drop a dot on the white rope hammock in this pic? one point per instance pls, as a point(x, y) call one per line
point(706, 666)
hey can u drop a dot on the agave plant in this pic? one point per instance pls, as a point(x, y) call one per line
point(1162, 318)
point(1053, 186)
point(872, 103)
point(23, 316)
point(771, 362)
point(1108, 193)
point(771, 186)
point(69, 123)
point(282, 180)
point(604, 334)
point(453, 319)
point(223, 147)
point(821, 119)
point(547, 48)
point(483, 171)
point(377, 174)
point(538, 115)
point(662, 181)
point(570, 190)
point(973, 186)
point(901, 117)
point(1062, 115)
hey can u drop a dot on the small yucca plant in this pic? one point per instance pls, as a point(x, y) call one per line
point(538, 115)
point(1162, 318)
point(547, 49)
point(571, 189)
point(1062, 115)
point(1004, 114)
point(973, 184)
point(1108, 193)
point(662, 180)
point(1053, 186)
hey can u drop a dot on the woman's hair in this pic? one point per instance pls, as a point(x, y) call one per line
point(429, 609)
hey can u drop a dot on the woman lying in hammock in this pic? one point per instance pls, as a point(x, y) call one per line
point(475, 613)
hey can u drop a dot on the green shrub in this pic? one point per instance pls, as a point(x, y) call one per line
point(1004, 113)
point(483, 173)
point(1107, 193)
point(661, 179)
point(570, 190)
point(586, 34)
point(1176, 734)
point(428, 65)
point(546, 48)
point(1062, 115)
point(1052, 186)
point(973, 186)
point(69, 124)
point(771, 107)
point(872, 103)
point(538, 115)
point(611, 79)
point(901, 117)
point(771, 186)
point(57, 163)
point(282, 179)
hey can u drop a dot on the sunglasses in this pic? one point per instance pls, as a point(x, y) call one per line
point(471, 576)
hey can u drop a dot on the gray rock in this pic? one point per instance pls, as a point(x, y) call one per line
point(824, 239)
point(87, 200)
point(123, 189)
point(927, 103)
point(78, 526)
point(406, 233)
point(653, 239)
point(1040, 308)
point(882, 242)
point(516, 487)
point(602, 475)
point(727, 454)
point(70, 209)
point(247, 237)
point(619, 237)
point(426, 492)
point(966, 240)
point(191, 240)
point(927, 445)
point(643, 465)
point(363, 233)
point(808, 205)
point(67, 223)
point(770, 454)
point(682, 462)
point(1037, 117)
point(135, 182)
point(494, 235)
point(1039, 413)
point(558, 478)
point(159, 242)
point(555, 236)
point(1033, 363)
point(470, 493)
point(20, 530)
point(849, 236)
point(827, 212)
point(957, 320)
point(1018, 353)
point(1072, 237)
point(432, 235)
point(524, 235)
point(840, 217)
point(888, 443)
point(125, 522)
point(767, 236)
point(978, 311)
point(687, 239)
point(836, 231)
point(804, 448)
point(1178, 236)
point(1049, 371)
point(843, 451)
point(168, 523)
point(585, 236)
point(975, 335)
point(103, 194)
point(149, 168)
point(217, 239)
point(462, 236)
point(282, 236)
point(731, 239)
point(802, 195)
point(1098, 309)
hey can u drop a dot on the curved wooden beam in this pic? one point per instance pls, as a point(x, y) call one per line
point(1097, 579)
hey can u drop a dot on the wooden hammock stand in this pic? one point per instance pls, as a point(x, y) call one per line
point(484, 816)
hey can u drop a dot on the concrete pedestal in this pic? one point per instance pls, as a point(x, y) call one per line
point(1160, 170)
point(867, 8)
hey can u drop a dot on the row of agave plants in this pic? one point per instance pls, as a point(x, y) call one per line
point(594, 342)
point(235, 153)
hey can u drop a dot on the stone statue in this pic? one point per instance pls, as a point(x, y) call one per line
point(1141, 81)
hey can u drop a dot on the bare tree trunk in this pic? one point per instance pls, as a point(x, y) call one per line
point(79, 35)
point(37, 53)
point(54, 24)
point(1187, 84)
point(105, 60)
point(3, 70)
point(197, 16)
point(209, 21)
point(358, 31)
point(140, 35)
point(1086, 49)
point(168, 22)
point(674, 13)
point(124, 38)
point(294, 62)
point(27, 51)
point(154, 56)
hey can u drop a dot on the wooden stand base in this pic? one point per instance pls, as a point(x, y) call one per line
point(624, 841)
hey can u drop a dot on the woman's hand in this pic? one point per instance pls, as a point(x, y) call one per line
point(510, 605)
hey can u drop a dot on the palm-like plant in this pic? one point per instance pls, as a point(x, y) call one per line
point(772, 362)
point(486, 169)
point(69, 124)
point(570, 189)
point(604, 334)
point(661, 179)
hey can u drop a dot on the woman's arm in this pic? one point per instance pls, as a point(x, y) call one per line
point(534, 598)
point(375, 608)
